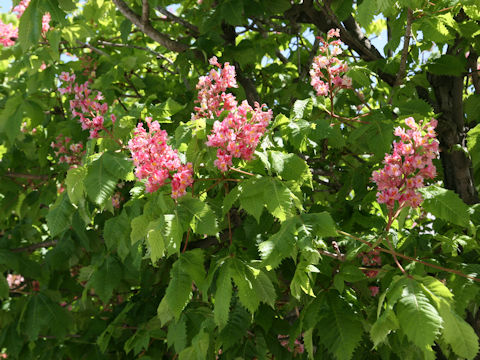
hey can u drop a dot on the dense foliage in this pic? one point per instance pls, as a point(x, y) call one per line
point(239, 179)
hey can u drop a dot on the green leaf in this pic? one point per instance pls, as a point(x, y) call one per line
point(386, 323)
point(74, 182)
point(302, 109)
point(340, 330)
point(244, 279)
point(446, 205)
point(116, 234)
point(4, 289)
point(322, 223)
point(280, 245)
point(42, 314)
point(117, 165)
point(365, 12)
point(203, 219)
point(231, 11)
point(155, 240)
point(188, 268)
point(106, 278)
point(59, 215)
point(173, 233)
point(223, 296)
point(139, 228)
point(448, 65)
point(458, 333)
point(177, 334)
point(290, 166)
point(278, 199)
point(417, 317)
point(30, 25)
point(99, 183)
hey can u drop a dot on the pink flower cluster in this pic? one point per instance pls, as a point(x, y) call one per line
point(67, 153)
point(408, 166)
point(298, 346)
point(327, 72)
point(22, 6)
point(238, 134)
point(86, 104)
point(372, 258)
point(8, 34)
point(156, 161)
point(14, 280)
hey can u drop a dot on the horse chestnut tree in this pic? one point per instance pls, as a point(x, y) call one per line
point(239, 179)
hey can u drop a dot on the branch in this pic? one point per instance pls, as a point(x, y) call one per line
point(472, 64)
point(179, 20)
point(145, 12)
point(27, 176)
point(150, 31)
point(452, 271)
point(406, 44)
point(94, 49)
point(34, 247)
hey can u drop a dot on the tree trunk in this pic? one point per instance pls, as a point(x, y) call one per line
point(457, 167)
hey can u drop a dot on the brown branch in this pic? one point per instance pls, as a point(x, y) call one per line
point(27, 176)
point(179, 20)
point(452, 271)
point(91, 47)
point(130, 46)
point(34, 247)
point(472, 64)
point(149, 30)
point(145, 12)
point(406, 44)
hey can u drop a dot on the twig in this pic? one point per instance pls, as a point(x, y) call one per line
point(27, 176)
point(406, 45)
point(145, 12)
point(149, 30)
point(241, 171)
point(93, 48)
point(179, 20)
point(453, 271)
point(34, 247)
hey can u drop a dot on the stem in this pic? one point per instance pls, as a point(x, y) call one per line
point(241, 171)
point(453, 271)
point(228, 217)
point(186, 241)
point(395, 255)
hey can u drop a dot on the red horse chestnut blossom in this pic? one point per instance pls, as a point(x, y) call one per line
point(67, 152)
point(8, 34)
point(86, 105)
point(238, 134)
point(157, 162)
point(408, 166)
point(327, 73)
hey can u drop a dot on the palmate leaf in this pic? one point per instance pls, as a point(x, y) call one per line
point(417, 317)
point(188, 268)
point(201, 217)
point(458, 333)
point(278, 199)
point(42, 314)
point(59, 215)
point(106, 278)
point(116, 234)
point(99, 183)
point(177, 334)
point(340, 330)
point(446, 205)
point(289, 166)
point(117, 165)
point(74, 182)
point(4, 288)
point(223, 296)
point(383, 326)
point(30, 25)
